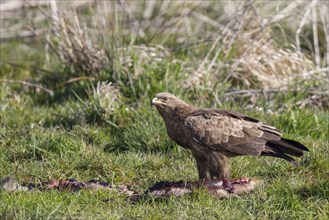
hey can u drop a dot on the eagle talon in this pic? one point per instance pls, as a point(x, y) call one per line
point(228, 185)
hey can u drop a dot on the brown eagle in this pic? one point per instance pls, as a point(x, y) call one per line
point(215, 135)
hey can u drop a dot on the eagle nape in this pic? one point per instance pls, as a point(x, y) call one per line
point(215, 135)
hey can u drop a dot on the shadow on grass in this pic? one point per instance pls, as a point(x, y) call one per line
point(61, 94)
point(317, 191)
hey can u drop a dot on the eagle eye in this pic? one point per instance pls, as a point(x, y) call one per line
point(164, 99)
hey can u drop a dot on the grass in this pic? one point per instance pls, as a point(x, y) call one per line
point(72, 135)
point(37, 146)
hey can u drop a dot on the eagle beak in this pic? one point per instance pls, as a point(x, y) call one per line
point(156, 101)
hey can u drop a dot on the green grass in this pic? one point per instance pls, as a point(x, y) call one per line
point(37, 144)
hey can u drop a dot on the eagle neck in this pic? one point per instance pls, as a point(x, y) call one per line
point(175, 118)
point(174, 121)
point(182, 111)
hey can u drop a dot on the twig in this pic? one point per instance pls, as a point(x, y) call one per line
point(13, 5)
point(54, 11)
point(315, 36)
point(250, 92)
point(325, 22)
point(185, 46)
point(237, 25)
point(309, 73)
point(50, 92)
point(188, 26)
point(81, 78)
point(208, 20)
point(149, 9)
point(232, 40)
point(132, 17)
point(7, 35)
point(301, 25)
point(285, 88)
point(25, 66)
point(284, 13)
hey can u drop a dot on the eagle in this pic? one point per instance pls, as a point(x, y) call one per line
point(215, 135)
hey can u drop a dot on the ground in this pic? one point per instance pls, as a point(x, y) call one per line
point(32, 151)
point(58, 122)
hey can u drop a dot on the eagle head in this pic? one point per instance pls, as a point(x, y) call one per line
point(168, 103)
point(165, 101)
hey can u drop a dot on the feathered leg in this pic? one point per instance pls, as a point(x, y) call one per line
point(203, 169)
point(213, 166)
point(219, 166)
point(216, 166)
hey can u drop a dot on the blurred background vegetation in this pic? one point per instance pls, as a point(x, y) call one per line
point(212, 48)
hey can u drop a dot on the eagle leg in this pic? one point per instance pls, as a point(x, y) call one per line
point(213, 166)
point(203, 168)
point(219, 164)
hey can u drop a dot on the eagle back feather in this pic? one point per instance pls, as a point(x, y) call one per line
point(222, 130)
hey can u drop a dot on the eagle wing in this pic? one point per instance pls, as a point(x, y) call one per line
point(223, 130)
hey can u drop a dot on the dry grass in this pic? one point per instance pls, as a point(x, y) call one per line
point(107, 97)
point(242, 50)
point(135, 58)
point(89, 37)
point(75, 49)
point(249, 55)
point(260, 62)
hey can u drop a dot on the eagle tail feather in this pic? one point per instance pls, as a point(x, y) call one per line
point(284, 148)
point(295, 144)
point(281, 155)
